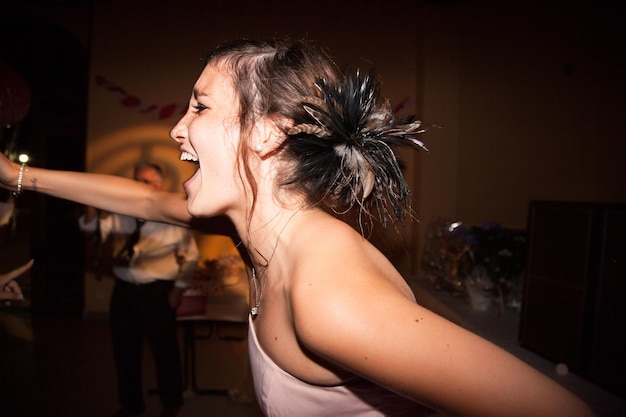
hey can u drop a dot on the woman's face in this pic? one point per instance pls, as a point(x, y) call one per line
point(209, 134)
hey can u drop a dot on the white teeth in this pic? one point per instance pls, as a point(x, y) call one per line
point(186, 156)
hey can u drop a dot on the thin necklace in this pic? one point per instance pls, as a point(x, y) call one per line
point(254, 311)
point(257, 298)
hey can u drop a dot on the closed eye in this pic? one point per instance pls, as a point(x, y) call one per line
point(200, 107)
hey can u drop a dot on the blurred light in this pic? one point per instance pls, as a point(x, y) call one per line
point(23, 158)
point(454, 226)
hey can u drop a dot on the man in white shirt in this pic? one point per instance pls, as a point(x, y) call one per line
point(154, 263)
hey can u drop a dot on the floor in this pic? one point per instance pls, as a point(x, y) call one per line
point(63, 367)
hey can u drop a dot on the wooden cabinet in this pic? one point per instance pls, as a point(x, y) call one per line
point(574, 302)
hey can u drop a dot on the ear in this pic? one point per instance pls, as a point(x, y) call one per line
point(271, 134)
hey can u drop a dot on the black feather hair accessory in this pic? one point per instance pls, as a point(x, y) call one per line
point(362, 169)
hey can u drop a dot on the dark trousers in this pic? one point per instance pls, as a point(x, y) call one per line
point(138, 311)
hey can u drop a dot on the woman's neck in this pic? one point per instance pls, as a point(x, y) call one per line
point(268, 230)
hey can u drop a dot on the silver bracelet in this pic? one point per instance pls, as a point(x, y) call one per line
point(20, 177)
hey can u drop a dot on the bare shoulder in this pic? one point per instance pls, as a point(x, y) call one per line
point(344, 286)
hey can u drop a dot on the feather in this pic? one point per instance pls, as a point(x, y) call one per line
point(362, 132)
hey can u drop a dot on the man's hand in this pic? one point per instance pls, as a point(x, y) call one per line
point(176, 297)
point(9, 289)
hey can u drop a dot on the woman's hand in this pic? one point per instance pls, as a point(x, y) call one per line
point(9, 289)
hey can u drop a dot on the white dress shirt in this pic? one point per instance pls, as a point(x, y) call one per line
point(163, 252)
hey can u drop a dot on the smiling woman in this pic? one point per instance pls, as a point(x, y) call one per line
point(289, 147)
point(210, 119)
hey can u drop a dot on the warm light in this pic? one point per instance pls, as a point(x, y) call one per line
point(23, 158)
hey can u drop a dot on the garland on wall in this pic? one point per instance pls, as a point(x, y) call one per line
point(142, 106)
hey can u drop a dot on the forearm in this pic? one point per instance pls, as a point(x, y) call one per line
point(105, 192)
point(109, 193)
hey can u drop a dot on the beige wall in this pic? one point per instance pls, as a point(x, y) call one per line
point(529, 96)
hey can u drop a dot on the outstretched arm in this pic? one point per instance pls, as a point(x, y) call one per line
point(116, 195)
point(412, 351)
point(385, 336)
point(106, 192)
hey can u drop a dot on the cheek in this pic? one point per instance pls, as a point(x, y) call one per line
point(212, 136)
point(198, 136)
point(217, 164)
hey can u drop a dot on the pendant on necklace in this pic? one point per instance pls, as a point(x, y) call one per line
point(254, 311)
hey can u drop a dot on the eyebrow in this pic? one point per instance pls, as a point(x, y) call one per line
point(198, 93)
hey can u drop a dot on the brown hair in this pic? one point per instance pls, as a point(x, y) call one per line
point(338, 153)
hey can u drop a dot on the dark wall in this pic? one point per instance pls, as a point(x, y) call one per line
point(55, 65)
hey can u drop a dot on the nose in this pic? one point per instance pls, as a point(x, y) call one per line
point(179, 131)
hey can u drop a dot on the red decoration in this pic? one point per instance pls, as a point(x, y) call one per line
point(130, 101)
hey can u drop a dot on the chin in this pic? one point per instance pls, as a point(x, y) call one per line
point(193, 207)
point(197, 209)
